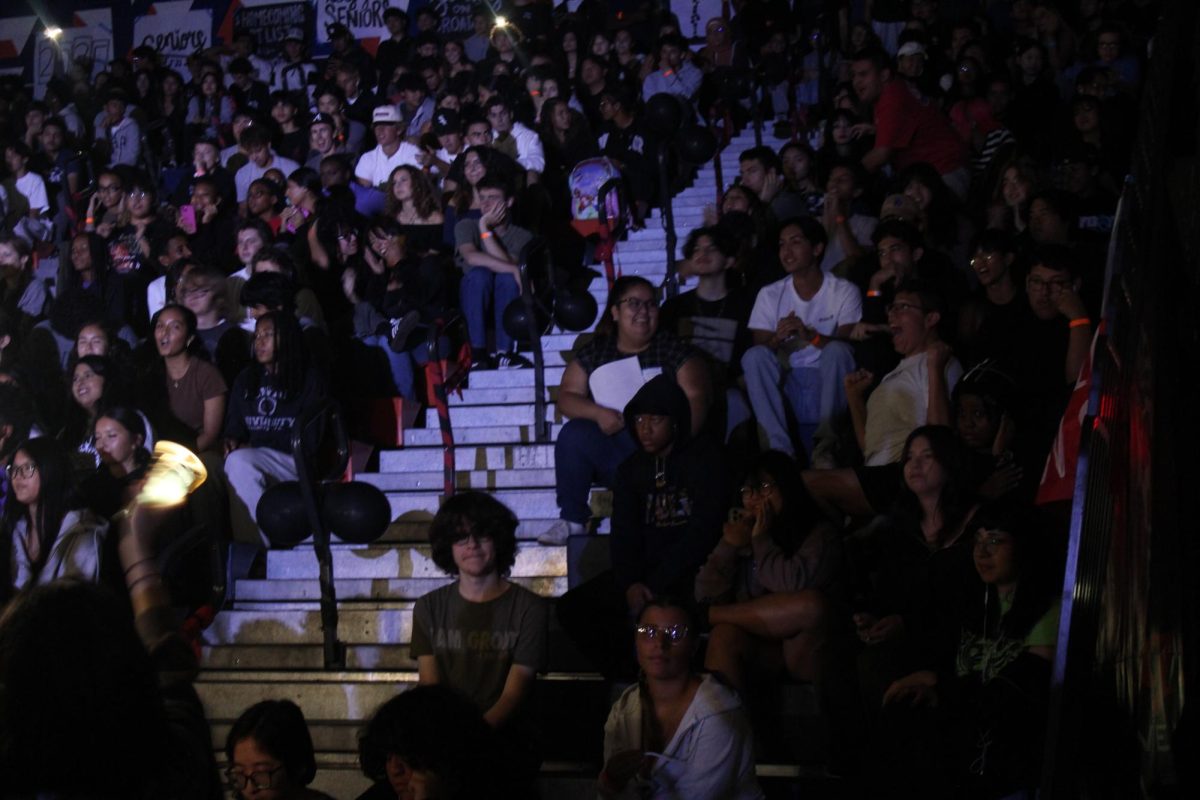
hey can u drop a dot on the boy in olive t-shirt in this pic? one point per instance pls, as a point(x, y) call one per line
point(482, 635)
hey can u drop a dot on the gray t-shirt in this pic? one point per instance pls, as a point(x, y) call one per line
point(475, 644)
point(514, 238)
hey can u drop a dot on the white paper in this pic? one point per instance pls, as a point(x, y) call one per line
point(614, 384)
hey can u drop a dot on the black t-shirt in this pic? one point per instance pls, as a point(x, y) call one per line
point(716, 328)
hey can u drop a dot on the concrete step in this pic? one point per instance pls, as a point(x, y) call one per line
point(502, 434)
point(401, 561)
point(336, 696)
point(292, 591)
point(507, 457)
point(287, 626)
point(281, 657)
point(488, 480)
point(509, 395)
point(343, 697)
point(508, 378)
point(463, 417)
point(531, 503)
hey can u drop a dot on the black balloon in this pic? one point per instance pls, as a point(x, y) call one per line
point(664, 113)
point(281, 514)
point(516, 320)
point(355, 512)
point(696, 144)
point(574, 309)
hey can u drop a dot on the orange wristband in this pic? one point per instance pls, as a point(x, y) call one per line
point(817, 340)
point(1080, 323)
point(874, 293)
point(486, 235)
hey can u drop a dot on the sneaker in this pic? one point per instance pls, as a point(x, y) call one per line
point(482, 361)
point(511, 361)
point(560, 531)
point(401, 329)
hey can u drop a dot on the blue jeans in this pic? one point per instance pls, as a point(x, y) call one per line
point(582, 454)
point(816, 394)
point(402, 365)
point(480, 286)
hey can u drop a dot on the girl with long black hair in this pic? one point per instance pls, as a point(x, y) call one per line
point(45, 537)
point(264, 403)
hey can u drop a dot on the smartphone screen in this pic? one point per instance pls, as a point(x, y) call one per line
point(187, 218)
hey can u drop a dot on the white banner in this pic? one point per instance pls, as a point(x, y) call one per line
point(175, 30)
point(364, 18)
point(91, 36)
point(694, 15)
point(14, 33)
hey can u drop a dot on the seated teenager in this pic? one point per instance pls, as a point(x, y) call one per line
point(796, 323)
point(768, 580)
point(431, 739)
point(983, 694)
point(264, 403)
point(482, 634)
point(676, 733)
point(1046, 347)
point(120, 440)
point(628, 350)
point(712, 317)
point(668, 502)
point(915, 393)
point(204, 292)
point(43, 537)
point(270, 752)
point(490, 253)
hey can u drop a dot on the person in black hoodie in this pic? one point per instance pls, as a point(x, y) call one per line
point(669, 503)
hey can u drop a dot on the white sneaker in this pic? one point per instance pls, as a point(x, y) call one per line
point(560, 531)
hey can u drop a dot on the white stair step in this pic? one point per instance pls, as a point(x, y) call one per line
point(402, 561)
point(280, 657)
point(349, 696)
point(292, 591)
point(481, 480)
point(463, 417)
point(501, 396)
point(275, 625)
point(505, 378)
point(523, 456)
point(502, 434)
point(533, 503)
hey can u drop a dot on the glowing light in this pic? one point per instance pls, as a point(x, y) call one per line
point(501, 22)
point(53, 33)
point(174, 474)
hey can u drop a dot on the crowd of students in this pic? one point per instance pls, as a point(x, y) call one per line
point(824, 456)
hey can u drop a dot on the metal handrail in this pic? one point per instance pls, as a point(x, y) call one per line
point(541, 428)
point(440, 385)
point(334, 651)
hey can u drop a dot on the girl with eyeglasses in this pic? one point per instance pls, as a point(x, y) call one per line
point(270, 754)
point(107, 204)
point(676, 733)
point(769, 579)
point(45, 537)
point(594, 441)
point(982, 697)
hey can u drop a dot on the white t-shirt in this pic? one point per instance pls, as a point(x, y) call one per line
point(376, 167)
point(34, 189)
point(836, 303)
point(898, 406)
point(250, 172)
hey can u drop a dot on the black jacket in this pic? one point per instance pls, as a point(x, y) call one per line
point(667, 510)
